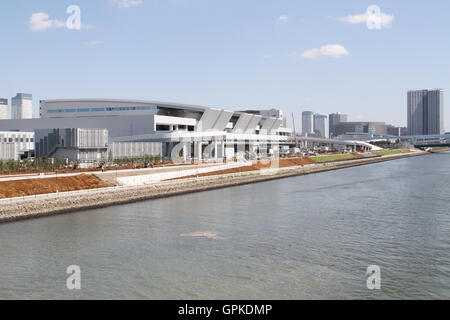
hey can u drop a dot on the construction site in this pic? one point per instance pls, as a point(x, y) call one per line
point(60, 182)
point(25, 198)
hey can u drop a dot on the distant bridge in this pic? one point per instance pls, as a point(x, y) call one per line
point(432, 141)
point(417, 141)
point(354, 143)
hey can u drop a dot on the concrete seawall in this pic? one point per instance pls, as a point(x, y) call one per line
point(15, 211)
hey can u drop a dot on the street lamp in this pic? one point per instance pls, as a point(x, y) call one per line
point(117, 168)
point(56, 180)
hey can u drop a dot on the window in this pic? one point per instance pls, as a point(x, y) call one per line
point(102, 109)
point(162, 128)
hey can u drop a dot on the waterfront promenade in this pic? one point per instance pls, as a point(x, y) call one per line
point(39, 206)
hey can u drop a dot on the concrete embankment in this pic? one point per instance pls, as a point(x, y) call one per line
point(440, 150)
point(13, 211)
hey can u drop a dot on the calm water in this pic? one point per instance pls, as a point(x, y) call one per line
point(299, 238)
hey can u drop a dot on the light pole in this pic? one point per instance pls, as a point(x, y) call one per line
point(56, 180)
point(117, 168)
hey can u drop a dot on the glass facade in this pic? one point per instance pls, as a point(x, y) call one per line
point(106, 109)
point(23, 96)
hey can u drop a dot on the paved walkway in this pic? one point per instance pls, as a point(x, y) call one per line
point(110, 175)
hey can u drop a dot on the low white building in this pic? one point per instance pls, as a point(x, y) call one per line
point(15, 145)
point(200, 132)
point(188, 132)
point(85, 145)
point(89, 145)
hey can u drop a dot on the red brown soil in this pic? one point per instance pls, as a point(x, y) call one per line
point(284, 163)
point(293, 162)
point(20, 188)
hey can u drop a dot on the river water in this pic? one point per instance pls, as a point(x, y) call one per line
point(308, 237)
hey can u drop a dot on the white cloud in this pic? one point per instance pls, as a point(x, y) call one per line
point(330, 51)
point(41, 21)
point(382, 20)
point(283, 18)
point(126, 3)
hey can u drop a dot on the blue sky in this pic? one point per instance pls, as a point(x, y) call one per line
point(234, 53)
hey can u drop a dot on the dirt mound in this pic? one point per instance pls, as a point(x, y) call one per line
point(293, 162)
point(358, 156)
point(20, 188)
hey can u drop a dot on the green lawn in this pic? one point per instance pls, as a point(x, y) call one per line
point(390, 152)
point(438, 148)
point(335, 157)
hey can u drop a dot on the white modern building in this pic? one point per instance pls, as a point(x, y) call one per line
point(89, 145)
point(321, 125)
point(4, 112)
point(22, 106)
point(75, 144)
point(15, 145)
point(181, 131)
point(196, 132)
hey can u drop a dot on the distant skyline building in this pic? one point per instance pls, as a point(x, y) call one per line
point(307, 122)
point(22, 106)
point(425, 112)
point(396, 131)
point(334, 119)
point(4, 111)
point(321, 125)
point(360, 128)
